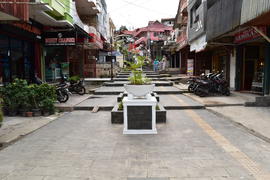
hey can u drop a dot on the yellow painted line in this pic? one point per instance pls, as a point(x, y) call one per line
point(250, 165)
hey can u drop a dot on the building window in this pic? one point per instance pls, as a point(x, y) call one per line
point(194, 17)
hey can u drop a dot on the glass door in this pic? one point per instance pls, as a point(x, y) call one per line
point(17, 59)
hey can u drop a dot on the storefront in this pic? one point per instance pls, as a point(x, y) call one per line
point(55, 52)
point(20, 51)
point(251, 60)
point(221, 62)
point(64, 53)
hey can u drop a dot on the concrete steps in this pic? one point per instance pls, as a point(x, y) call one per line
point(122, 83)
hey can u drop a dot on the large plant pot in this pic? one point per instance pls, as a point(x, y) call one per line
point(29, 114)
point(36, 112)
point(139, 90)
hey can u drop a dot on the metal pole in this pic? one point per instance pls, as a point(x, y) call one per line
point(111, 41)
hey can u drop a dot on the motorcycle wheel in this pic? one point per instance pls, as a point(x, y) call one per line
point(81, 90)
point(63, 97)
point(198, 92)
point(190, 88)
point(227, 93)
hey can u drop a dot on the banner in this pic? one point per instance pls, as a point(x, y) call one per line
point(190, 67)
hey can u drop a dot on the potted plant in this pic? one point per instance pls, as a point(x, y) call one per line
point(46, 99)
point(139, 85)
point(34, 95)
point(28, 111)
point(47, 106)
point(1, 113)
point(14, 96)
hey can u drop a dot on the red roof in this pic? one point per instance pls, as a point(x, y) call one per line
point(153, 26)
point(128, 32)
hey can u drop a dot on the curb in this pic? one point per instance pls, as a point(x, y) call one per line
point(90, 108)
point(240, 125)
point(183, 107)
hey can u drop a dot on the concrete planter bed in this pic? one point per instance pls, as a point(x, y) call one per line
point(117, 116)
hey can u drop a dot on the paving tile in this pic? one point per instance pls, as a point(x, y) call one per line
point(83, 145)
point(24, 177)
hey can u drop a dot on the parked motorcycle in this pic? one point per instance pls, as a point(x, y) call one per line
point(75, 87)
point(210, 83)
point(62, 93)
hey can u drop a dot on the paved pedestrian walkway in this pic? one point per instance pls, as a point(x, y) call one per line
point(74, 100)
point(179, 101)
point(194, 144)
point(234, 99)
point(15, 127)
point(256, 119)
point(104, 102)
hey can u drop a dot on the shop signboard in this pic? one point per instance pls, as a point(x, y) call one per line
point(190, 67)
point(60, 40)
point(248, 34)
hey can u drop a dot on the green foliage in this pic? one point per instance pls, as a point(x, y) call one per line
point(1, 112)
point(47, 105)
point(120, 106)
point(137, 77)
point(74, 79)
point(19, 95)
point(15, 94)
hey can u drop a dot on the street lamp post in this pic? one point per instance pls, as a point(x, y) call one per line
point(111, 41)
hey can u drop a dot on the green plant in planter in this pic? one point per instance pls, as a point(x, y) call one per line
point(47, 106)
point(120, 106)
point(33, 96)
point(1, 113)
point(14, 95)
point(137, 77)
point(42, 97)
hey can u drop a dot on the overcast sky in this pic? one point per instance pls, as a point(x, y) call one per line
point(134, 14)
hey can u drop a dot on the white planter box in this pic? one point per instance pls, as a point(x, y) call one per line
point(139, 90)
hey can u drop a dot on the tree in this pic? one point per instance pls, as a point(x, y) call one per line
point(123, 28)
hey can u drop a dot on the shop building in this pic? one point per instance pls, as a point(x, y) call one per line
point(258, 18)
point(197, 12)
point(64, 52)
point(181, 38)
point(242, 37)
point(20, 51)
point(20, 43)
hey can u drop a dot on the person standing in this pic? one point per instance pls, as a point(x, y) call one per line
point(156, 64)
point(164, 63)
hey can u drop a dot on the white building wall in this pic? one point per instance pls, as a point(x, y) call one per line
point(233, 69)
point(102, 19)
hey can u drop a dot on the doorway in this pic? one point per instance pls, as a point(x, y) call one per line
point(249, 74)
